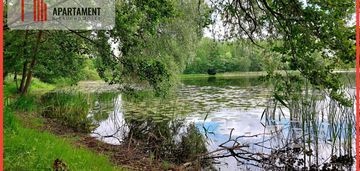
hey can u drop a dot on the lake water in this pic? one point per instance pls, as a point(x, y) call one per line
point(238, 106)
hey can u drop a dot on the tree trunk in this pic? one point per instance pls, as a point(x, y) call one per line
point(32, 64)
point(29, 77)
point(16, 80)
point(23, 77)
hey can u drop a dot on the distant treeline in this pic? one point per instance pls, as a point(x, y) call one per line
point(237, 56)
point(225, 57)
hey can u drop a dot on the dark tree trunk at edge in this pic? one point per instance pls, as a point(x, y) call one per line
point(23, 77)
point(32, 65)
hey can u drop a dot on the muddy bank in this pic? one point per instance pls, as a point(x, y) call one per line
point(124, 155)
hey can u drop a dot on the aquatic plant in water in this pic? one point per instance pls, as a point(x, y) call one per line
point(309, 130)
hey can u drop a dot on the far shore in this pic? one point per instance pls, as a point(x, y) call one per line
point(249, 74)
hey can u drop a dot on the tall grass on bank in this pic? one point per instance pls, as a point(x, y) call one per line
point(70, 108)
point(77, 110)
point(32, 149)
point(28, 149)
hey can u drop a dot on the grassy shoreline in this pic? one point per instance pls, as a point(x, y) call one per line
point(28, 145)
point(51, 139)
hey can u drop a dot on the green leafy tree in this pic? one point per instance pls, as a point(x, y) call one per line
point(44, 54)
point(151, 41)
point(226, 57)
point(160, 35)
point(304, 27)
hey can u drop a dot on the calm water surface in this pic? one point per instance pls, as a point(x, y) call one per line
point(220, 106)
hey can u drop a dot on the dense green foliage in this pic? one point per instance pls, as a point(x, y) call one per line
point(155, 40)
point(163, 36)
point(240, 56)
point(47, 55)
point(160, 35)
point(304, 28)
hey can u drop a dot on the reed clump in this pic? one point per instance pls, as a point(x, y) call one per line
point(70, 108)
